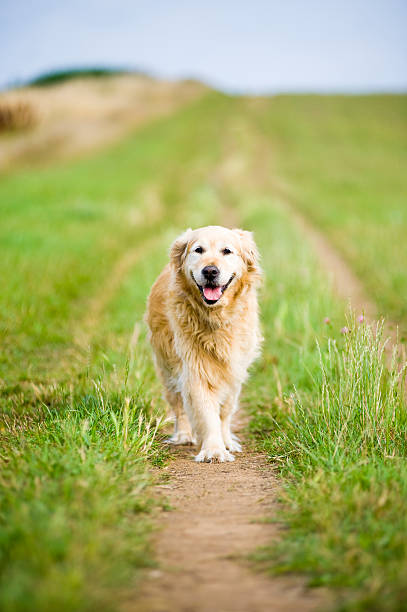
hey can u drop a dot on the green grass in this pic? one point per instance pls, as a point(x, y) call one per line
point(334, 422)
point(341, 160)
point(79, 418)
point(332, 419)
point(73, 509)
point(64, 228)
point(79, 422)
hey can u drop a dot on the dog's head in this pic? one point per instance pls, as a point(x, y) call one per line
point(216, 262)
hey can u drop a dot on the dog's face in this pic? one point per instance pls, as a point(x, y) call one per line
point(214, 262)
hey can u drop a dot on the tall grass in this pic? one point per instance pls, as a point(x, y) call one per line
point(328, 406)
point(72, 486)
point(358, 411)
point(343, 448)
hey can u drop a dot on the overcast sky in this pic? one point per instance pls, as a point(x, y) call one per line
point(255, 45)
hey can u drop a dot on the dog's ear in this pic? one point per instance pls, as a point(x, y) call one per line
point(250, 253)
point(178, 248)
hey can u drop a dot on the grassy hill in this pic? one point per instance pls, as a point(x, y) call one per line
point(81, 243)
point(79, 113)
point(60, 76)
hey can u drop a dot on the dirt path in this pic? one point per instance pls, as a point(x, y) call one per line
point(203, 543)
point(345, 283)
point(217, 518)
point(218, 510)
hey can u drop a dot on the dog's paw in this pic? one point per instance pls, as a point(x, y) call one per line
point(234, 446)
point(181, 438)
point(214, 454)
point(232, 443)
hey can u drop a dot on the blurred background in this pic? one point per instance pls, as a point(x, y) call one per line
point(164, 53)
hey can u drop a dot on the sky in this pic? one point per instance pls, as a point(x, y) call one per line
point(255, 46)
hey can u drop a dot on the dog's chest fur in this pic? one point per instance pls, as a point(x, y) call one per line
point(215, 345)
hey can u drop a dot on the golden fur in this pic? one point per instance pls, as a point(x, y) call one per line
point(203, 349)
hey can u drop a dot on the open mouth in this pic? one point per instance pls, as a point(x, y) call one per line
point(212, 293)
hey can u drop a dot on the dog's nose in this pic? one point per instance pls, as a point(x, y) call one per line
point(210, 272)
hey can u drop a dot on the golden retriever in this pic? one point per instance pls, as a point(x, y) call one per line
point(202, 314)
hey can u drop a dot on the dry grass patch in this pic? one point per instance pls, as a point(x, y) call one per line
point(83, 114)
point(18, 115)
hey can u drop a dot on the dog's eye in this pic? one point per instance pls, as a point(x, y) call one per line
point(199, 250)
point(226, 251)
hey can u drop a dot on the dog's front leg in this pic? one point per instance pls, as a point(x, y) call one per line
point(203, 409)
point(228, 409)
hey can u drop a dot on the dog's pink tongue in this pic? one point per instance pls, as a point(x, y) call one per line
point(212, 293)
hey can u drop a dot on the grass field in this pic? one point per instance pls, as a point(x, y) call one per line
point(81, 244)
point(341, 161)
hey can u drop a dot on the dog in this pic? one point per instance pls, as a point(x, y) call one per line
point(202, 314)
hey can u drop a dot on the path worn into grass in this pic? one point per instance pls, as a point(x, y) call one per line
point(217, 510)
point(216, 521)
point(220, 515)
point(344, 282)
point(98, 303)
